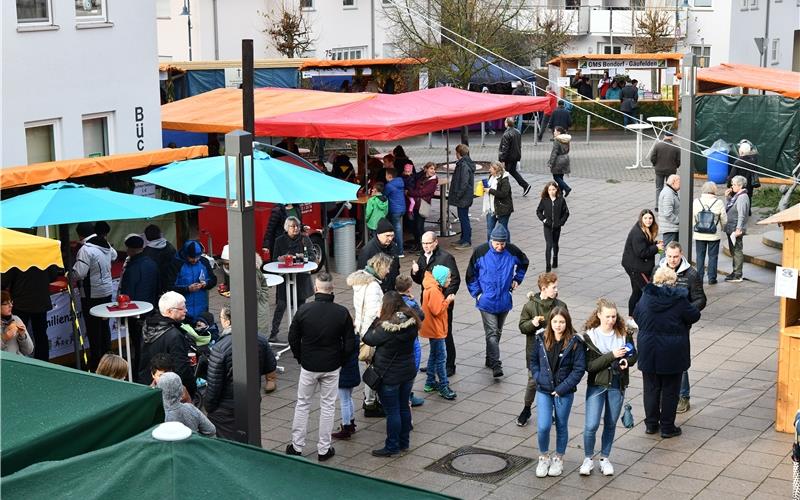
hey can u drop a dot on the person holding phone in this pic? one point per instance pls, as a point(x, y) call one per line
point(191, 276)
point(639, 255)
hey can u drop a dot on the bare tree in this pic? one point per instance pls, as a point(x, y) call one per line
point(288, 31)
point(654, 32)
point(416, 33)
point(549, 34)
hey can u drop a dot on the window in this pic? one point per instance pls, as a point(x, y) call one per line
point(163, 9)
point(348, 53)
point(389, 50)
point(90, 10)
point(307, 4)
point(349, 4)
point(753, 4)
point(34, 12)
point(775, 51)
point(40, 140)
point(702, 3)
point(610, 49)
point(95, 135)
point(703, 53)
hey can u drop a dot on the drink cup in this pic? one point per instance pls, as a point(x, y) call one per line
point(287, 260)
point(485, 183)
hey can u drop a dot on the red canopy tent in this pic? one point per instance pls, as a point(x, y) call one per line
point(389, 117)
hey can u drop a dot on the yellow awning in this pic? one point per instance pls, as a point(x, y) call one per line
point(24, 251)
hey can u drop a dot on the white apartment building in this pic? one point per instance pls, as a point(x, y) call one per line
point(79, 78)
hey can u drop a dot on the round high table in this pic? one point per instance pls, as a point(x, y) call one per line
point(638, 128)
point(662, 125)
point(101, 311)
point(290, 274)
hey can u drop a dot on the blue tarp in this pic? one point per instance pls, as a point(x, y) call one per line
point(199, 81)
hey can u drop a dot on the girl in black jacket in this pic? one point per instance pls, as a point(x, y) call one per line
point(393, 338)
point(499, 205)
point(553, 212)
point(639, 255)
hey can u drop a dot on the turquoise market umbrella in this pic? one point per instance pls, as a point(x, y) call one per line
point(275, 181)
point(68, 203)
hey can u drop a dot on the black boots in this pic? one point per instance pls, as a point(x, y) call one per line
point(346, 431)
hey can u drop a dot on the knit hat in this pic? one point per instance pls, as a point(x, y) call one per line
point(441, 273)
point(134, 241)
point(384, 226)
point(499, 234)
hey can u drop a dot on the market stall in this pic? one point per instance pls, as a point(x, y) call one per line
point(386, 75)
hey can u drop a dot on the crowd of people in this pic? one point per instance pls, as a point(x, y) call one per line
point(180, 349)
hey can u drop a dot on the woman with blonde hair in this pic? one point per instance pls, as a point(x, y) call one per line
point(639, 254)
point(114, 366)
point(610, 353)
point(497, 202)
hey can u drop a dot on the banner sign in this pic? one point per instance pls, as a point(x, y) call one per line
point(590, 64)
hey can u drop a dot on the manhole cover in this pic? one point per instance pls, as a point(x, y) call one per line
point(481, 465)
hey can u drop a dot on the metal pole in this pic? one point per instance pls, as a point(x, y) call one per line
point(241, 237)
point(372, 28)
point(483, 132)
point(444, 206)
point(216, 29)
point(588, 127)
point(248, 99)
point(189, 24)
point(686, 171)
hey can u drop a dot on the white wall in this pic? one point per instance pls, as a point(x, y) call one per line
point(66, 73)
point(747, 24)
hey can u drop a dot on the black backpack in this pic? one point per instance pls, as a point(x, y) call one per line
point(705, 220)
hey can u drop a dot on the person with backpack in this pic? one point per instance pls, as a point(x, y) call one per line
point(709, 218)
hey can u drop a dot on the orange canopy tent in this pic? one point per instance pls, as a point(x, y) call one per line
point(727, 75)
point(41, 173)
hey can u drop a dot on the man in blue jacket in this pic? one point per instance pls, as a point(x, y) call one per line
point(395, 190)
point(139, 281)
point(495, 270)
point(191, 276)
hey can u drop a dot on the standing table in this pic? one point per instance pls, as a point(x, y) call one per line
point(291, 283)
point(102, 311)
point(638, 128)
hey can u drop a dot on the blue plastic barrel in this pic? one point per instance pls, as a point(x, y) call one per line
point(717, 167)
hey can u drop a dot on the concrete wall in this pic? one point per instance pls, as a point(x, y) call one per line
point(59, 72)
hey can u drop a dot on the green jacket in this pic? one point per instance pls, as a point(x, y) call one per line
point(536, 306)
point(598, 366)
point(377, 209)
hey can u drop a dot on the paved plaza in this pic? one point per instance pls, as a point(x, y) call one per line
point(728, 449)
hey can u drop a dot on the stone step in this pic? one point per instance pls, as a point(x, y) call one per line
point(758, 253)
point(773, 238)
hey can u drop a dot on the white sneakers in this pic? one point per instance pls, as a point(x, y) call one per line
point(587, 466)
point(606, 468)
point(543, 467)
point(556, 466)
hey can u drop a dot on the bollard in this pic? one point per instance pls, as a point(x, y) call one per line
point(430, 140)
point(483, 132)
point(536, 130)
point(588, 127)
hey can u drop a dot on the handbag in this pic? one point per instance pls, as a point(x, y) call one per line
point(424, 208)
point(374, 379)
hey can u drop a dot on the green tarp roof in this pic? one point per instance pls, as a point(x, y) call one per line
point(49, 412)
point(199, 467)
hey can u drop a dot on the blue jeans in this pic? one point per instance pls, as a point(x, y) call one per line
point(629, 117)
point(597, 398)
point(685, 385)
point(466, 227)
point(562, 185)
point(713, 255)
point(436, 362)
point(346, 404)
point(492, 220)
point(398, 415)
point(397, 222)
point(546, 406)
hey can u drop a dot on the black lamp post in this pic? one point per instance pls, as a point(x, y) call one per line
point(187, 11)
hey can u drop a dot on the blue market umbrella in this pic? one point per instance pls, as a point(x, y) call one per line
point(67, 203)
point(276, 181)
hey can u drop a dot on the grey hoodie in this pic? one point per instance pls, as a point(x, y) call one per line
point(185, 413)
point(94, 260)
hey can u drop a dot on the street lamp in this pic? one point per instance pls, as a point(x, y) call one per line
point(187, 11)
point(240, 204)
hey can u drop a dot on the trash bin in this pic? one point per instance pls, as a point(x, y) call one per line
point(717, 167)
point(344, 245)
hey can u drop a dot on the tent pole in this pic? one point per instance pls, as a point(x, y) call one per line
point(365, 179)
point(444, 208)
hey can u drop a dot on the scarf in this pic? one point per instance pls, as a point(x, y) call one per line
point(488, 199)
point(733, 199)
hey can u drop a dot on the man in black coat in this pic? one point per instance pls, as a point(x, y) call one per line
point(510, 153)
point(162, 332)
point(629, 102)
point(383, 241)
point(31, 292)
point(666, 158)
point(322, 339)
point(161, 251)
point(139, 281)
point(689, 279)
point(461, 192)
point(561, 118)
point(431, 256)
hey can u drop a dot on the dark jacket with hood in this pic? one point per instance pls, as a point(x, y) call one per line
point(561, 118)
point(321, 336)
point(163, 253)
point(689, 279)
point(277, 217)
point(553, 213)
point(503, 201)
point(394, 348)
point(536, 306)
point(374, 247)
point(462, 184)
point(599, 366)
point(639, 254)
point(490, 274)
point(219, 392)
point(140, 280)
point(438, 258)
point(162, 334)
point(664, 315)
point(510, 147)
point(183, 273)
point(569, 368)
point(559, 155)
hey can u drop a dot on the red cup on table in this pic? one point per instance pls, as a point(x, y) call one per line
point(123, 301)
point(288, 260)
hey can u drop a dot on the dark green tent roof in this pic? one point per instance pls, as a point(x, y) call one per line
point(49, 412)
point(198, 467)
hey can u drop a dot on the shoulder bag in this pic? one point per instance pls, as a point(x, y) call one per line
point(373, 378)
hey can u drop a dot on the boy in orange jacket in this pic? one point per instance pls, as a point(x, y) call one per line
point(434, 328)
